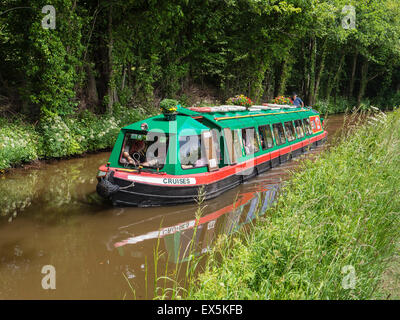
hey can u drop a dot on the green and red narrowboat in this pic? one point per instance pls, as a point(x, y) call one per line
point(166, 159)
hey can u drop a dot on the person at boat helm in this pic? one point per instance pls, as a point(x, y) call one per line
point(137, 147)
point(297, 101)
point(160, 155)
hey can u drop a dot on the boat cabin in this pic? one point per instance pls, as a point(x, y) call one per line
point(204, 140)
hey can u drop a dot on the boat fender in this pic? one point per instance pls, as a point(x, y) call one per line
point(106, 187)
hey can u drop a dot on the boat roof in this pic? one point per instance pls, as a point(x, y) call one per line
point(222, 116)
point(183, 124)
point(239, 117)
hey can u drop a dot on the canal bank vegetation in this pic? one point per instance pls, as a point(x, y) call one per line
point(335, 54)
point(331, 233)
point(59, 137)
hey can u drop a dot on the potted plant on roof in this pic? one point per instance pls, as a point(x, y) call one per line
point(282, 100)
point(169, 108)
point(240, 100)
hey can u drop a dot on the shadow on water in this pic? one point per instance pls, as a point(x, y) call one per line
point(51, 215)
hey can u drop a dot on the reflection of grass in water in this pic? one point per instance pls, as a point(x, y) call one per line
point(16, 196)
point(56, 189)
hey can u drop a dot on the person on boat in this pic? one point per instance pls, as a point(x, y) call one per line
point(297, 101)
point(248, 147)
point(201, 162)
point(157, 159)
point(134, 154)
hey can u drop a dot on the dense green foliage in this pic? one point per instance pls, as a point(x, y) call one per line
point(105, 53)
point(56, 136)
point(339, 213)
point(102, 55)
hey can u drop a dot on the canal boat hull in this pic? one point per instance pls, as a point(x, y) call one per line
point(145, 190)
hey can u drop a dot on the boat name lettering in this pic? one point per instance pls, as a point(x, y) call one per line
point(177, 181)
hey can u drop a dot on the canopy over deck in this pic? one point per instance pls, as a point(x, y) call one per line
point(183, 124)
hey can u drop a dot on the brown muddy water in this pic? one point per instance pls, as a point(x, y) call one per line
point(50, 215)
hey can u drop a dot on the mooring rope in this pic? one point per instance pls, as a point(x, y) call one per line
point(127, 187)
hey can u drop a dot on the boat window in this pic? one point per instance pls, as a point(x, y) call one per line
point(191, 152)
point(217, 141)
point(290, 131)
point(307, 126)
point(279, 133)
point(267, 141)
point(237, 145)
point(233, 145)
point(250, 141)
point(299, 128)
point(144, 149)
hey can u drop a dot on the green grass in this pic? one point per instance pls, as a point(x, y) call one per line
point(338, 214)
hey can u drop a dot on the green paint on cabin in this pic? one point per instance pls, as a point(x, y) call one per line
point(190, 122)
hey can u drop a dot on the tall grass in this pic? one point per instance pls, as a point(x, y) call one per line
point(331, 233)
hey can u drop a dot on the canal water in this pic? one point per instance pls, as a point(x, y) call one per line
point(50, 215)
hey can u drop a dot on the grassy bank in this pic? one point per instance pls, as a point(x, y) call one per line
point(58, 137)
point(329, 236)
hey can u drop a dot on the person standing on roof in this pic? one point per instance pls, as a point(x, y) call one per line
point(297, 101)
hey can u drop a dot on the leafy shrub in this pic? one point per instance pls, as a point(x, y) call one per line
point(18, 144)
point(388, 101)
point(339, 106)
point(57, 136)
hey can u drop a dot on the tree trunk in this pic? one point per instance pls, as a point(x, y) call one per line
point(123, 78)
point(306, 84)
point(353, 75)
point(91, 90)
point(111, 87)
point(311, 90)
point(333, 84)
point(364, 81)
point(284, 76)
point(320, 72)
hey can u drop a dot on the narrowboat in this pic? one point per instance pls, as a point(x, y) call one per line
point(167, 160)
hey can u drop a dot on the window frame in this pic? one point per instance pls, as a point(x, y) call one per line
point(302, 128)
point(260, 133)
point(308, 129)
point(144, 133)
point(293, 131)
point(201, 147)
point(284, 134)
point(256, 141)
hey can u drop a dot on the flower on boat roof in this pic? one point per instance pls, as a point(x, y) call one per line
point(282, 100)
point(169, 105)
point(240, 100)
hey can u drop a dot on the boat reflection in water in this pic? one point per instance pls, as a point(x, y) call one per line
point(204, 230)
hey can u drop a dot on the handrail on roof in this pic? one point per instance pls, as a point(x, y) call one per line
point(232, 108)
point(259, 115)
